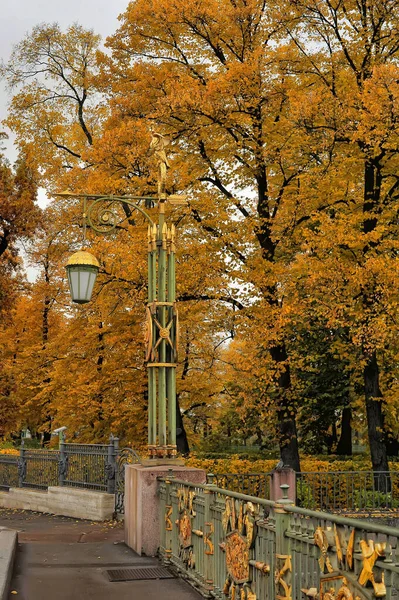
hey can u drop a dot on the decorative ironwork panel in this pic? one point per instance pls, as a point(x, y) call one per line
point(126, 456)
point(40, 468)
point(86, 466)
point(8, 471)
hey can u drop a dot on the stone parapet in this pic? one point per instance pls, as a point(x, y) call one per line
point(142, 526)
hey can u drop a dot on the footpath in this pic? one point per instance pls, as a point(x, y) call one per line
point(59, 558)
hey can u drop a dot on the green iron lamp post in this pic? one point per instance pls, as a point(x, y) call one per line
point(100, 212)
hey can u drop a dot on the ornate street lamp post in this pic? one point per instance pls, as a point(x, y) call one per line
point(101, 214)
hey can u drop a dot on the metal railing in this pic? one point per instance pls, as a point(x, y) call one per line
point(253, 484)
point(239, 546)
point(9, 473)
point(86, 465)
point(38, 468)
point(90, 466)
point(349, 491)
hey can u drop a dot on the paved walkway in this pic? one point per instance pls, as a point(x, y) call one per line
point(64, 559)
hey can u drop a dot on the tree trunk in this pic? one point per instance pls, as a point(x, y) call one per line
point(344, 447)
point(331, 439)
point(372, 390)
point(287, 430)
point(46, 437)
point(183, 447)
point(375, 425)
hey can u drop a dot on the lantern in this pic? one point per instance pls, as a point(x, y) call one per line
point(82, 269)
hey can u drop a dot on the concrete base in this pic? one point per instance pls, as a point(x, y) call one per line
point(142, 527)
point(66, 501)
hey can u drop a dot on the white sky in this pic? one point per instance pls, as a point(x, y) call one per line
point(17, 17)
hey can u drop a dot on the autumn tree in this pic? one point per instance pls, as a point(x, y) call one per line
point(283, 128)
point(209, 74)
point(19, 217)
point(347, 54)
point(56, 109)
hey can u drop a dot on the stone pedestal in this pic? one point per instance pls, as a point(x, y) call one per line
point(286, 476)
point(142, 526)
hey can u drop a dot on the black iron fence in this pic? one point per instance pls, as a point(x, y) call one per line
point(99, 467)
point(348, 491)
point(90, 466)
point(252, 484)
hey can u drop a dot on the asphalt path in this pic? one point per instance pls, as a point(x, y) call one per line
point(60, 558)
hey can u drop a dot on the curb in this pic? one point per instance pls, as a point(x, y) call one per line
point(8, 547)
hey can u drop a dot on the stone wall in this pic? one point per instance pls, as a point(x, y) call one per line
point(66, 501)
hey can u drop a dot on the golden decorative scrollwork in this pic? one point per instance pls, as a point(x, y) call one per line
point(344, 593)
point(247, 593)
point(332, 593)
point(371, 552)
point(350, 549)
point(198, 532)
point(260, 566)
point(185, 503)
point(168, 332)
point(320, 539)
point(185, 531)
point(239, 525)
point(338, 546)
point(208, 539)
point(282, 576)
point(237, 557)
point(168, 521)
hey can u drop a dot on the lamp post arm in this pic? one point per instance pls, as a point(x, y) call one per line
point(105, 219)
point(101, 215)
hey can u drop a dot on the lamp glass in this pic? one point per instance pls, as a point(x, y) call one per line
point(81, 282)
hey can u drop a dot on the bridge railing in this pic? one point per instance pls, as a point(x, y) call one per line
point(346, 492)
point(239, 546)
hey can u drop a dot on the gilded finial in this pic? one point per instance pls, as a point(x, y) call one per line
point(164, 236)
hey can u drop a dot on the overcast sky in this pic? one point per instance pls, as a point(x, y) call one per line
point(17, 17)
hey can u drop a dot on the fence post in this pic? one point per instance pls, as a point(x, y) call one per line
point(21, 465)
point(110, 467)
point(209, 542)
point(283, 558)
point(62, 463)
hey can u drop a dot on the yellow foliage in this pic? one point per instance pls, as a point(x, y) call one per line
point(236, 465)
point(10, 451)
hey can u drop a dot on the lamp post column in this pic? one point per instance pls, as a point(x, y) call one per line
point(162, 247)
point(152, 374)
point(101, 215)
point(172, 350)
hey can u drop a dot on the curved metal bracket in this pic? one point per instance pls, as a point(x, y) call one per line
point(105, 219)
